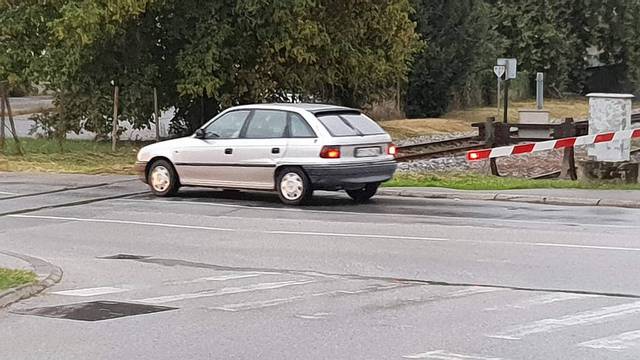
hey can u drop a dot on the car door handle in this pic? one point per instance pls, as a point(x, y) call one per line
point(275, 150)
point(228, 151)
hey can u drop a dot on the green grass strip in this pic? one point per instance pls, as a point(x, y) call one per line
point(10, 278)
point(484, 182)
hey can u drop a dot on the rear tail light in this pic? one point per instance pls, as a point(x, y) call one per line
point(330, 152)
point(392, 150)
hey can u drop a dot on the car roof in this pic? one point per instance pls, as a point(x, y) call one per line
point(312, 108)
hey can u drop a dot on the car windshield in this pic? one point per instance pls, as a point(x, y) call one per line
point(350, 124)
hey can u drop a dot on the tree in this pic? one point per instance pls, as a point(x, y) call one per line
point(22, 39)
point(460, 45)
point(535, 34)
point(616, 34)
point(204, 56)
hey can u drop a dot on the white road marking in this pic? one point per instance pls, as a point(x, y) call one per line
point(445, 355)
point(324, 234)
point(583, 318)
point(544, 300)
point(90, 291)
point(618, 342)
point(125, 222)
point(216, 278)
point(253, 305)
point(224, 291)
point(373, 236)
point(515, 243)
point(587, 247)
point(7, 193)
point(471, 291)
point(386, 215)
point(438, 297)
point(316, 316)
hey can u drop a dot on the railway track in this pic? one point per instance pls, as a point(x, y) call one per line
point(455, 146)
point(433, 149)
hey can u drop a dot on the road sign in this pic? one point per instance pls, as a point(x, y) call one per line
point(512, 67)
point(499, 70)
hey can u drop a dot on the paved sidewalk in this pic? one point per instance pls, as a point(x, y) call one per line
point(571, 197)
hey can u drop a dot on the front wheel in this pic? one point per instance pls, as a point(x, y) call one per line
point(162, 179)
point(365, 193)
point(294, 187)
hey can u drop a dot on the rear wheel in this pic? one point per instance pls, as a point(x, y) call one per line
point(293, 185)
point(162, 178)
point(365, 193)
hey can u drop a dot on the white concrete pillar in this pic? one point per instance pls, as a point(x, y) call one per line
point(610, 112)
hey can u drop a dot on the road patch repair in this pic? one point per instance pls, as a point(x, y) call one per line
point(93, 310)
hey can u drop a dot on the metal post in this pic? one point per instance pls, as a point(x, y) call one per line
point(540, 91)
point(499, 93)
point(506, 100)
point(114, 131)
point(156, 115)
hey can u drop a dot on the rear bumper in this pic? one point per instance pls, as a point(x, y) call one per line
point(140, 168)
point(341, 176)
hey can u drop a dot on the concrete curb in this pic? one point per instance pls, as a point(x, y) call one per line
point(48, 274)
point(521, 198)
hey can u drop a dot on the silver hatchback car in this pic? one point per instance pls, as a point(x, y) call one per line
point(293, 149)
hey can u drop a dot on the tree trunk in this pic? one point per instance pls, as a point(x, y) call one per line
point(2, 125)
point(5, 97)
point(114, 131)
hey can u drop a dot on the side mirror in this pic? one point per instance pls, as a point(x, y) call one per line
point(201, 134)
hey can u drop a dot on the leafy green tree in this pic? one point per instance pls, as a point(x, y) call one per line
point(535, 34)
point(204, 56)
point(616, 34)
point(461, 46)
point(23, 37)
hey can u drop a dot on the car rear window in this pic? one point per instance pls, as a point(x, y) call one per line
point(350, 124)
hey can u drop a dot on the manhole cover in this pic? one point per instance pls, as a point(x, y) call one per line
point(93, 311)
point(125, 257)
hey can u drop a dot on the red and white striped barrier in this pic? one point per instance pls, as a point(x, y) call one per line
point(484, 154)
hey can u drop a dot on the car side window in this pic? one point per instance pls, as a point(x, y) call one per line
point(299, 128)
point(267, 124)
point(228, 126)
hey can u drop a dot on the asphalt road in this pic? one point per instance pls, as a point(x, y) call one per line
point(239, 276)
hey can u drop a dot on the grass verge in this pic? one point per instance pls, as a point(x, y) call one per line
point(83, 157)
point(485, 182)
point(10, 278)
point(577, 108)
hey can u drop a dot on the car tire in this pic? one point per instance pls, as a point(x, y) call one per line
point(293, 186)
point(365, 193)
point(163, 179)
